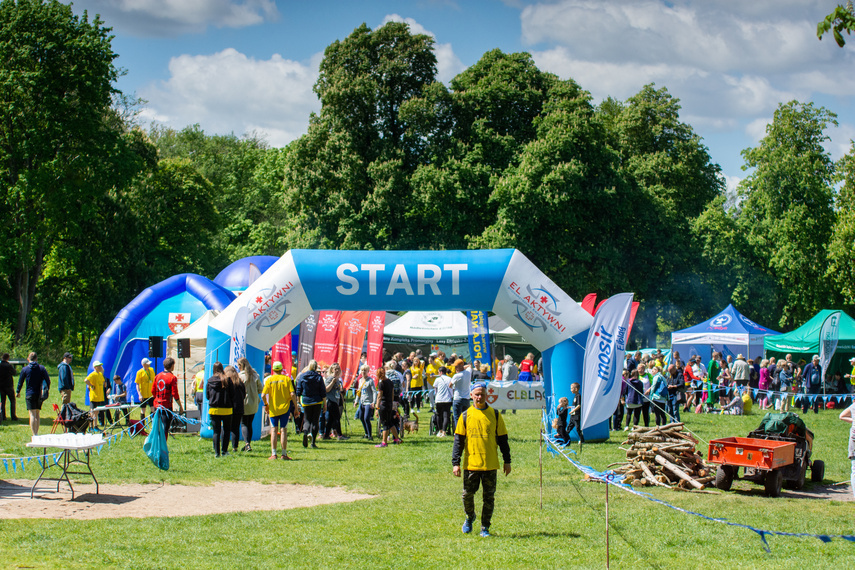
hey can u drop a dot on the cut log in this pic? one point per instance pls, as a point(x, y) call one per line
point(678, 472)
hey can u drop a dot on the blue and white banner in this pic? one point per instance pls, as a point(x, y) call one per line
point(603, 365)
point(501, 280)
point(829, 334)
point(479, 338)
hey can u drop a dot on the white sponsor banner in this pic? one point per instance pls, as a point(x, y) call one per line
point(515, 395)
point(536, 307)
point(709, 338)
point(237, 349)
point(829, 334)
point(604, 351)
point(275, 303)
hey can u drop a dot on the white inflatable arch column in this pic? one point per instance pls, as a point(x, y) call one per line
point(503, 281)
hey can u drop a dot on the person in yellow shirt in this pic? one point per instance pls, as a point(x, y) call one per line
point(95, 383)
point(144, 380)
point(199, 389)
point(280, 400)
point(431, 374)
point(480, 431)
point(417, 382)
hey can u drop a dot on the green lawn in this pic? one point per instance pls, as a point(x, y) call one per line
point(415, 519)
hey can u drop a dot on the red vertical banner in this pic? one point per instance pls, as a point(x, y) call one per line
point(376, 322)
point(281, 352)
point(351, 334)
point(326, 338)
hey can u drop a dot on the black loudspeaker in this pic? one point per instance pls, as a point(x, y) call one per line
point(155, 347)
point(183, 348)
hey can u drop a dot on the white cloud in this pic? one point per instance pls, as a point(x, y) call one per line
point(230, 92)
point(448, 65)
point(174, 17)
point(756, 129)
point(841, 140)
point(721, 36)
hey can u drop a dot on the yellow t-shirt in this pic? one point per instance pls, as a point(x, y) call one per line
point(481, 427)
point(279, 389)
point(418, 377)
point(96, 381)
point(432, 373)
point(145, 378)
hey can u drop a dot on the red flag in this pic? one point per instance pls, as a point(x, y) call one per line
point(326, 338)
point(351, 334)
point(375, 341)
point(588, 302)
point(632, 312)
point(281, 352)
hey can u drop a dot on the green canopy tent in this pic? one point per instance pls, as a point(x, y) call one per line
point(803, 342)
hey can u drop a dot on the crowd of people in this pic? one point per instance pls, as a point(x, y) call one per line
point(667, 387)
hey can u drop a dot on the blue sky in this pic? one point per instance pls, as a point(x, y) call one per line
point(249, 65)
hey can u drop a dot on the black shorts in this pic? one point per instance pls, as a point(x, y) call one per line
point(34, 403)
point(387, 417)
point(148, 402)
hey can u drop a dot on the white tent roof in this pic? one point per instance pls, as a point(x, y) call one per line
point(451, 327)
point(424, 326)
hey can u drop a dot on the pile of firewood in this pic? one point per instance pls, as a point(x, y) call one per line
point(664, 456)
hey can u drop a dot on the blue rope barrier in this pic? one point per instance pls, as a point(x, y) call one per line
point(615, 479)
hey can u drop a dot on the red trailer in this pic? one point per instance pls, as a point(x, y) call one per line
point(767, 457)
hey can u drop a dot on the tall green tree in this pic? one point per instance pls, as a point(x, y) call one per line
point(561, 204)
point(59, 143)
point(841, 269)
point(787, 210)
point(673, 178)
point(350, 172)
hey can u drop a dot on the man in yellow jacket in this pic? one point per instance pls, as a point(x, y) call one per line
point(480, 431)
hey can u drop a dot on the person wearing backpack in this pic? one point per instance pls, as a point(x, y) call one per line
point(478, 434)
point(658, 393)
point(38, 387)
point(812, 375)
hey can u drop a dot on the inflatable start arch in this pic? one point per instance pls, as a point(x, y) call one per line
point(503, 281)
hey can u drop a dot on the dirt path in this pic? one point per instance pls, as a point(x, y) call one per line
point(114, 501)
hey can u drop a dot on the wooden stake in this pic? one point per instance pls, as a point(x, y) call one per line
point(607, 524)
point(540, 460)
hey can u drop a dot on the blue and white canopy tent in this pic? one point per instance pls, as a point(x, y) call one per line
point(729, 332)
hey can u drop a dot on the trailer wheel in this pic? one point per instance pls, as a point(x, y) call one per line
point(724, 477)
point(774, 480)
point(799, 482)
point(817, 471)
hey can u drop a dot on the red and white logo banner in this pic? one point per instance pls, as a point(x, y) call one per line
point(326, 338)
point(281, 352)
point(376, 323)
point(351, 335)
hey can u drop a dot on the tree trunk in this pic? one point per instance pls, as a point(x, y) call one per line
point(25, 291)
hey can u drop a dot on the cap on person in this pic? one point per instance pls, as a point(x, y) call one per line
point(277, 365)
point(67, 355)
point(96, 364)
point(815, 357)
point(482, 385)
point(458, 362)
point(508, 357)
point(852, 360)
point(740, 356)
point(146, 361)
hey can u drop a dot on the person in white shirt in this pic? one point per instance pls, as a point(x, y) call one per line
point(444, 399)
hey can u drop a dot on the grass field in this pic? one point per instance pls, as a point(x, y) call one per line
point(414, 520)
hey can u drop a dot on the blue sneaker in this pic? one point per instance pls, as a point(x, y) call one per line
point(485, 532)
point(467, 525)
